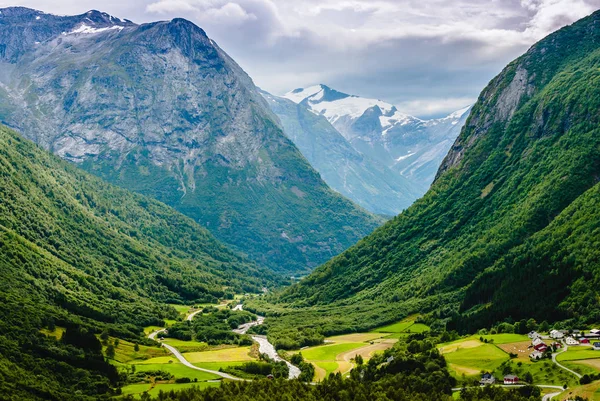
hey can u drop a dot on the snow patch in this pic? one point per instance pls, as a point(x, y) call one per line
point(83, 28)
point(38, 17)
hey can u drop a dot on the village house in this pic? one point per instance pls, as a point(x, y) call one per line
point(534, 334)
point(596, 346)
point(585, 341)
point(535, 355)
point(577, 333)
point(487, 378)
point(595, 332)
point(537, 341)
point(571, 341)
point(541, 348)
point(511, 379)
point(556, 334)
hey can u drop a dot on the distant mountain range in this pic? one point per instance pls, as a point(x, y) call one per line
point(386, 159)
point(160, 109)
point(509, 229)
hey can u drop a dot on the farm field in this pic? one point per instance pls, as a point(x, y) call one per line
point(234, 354)
point(506, 338)
point(186, 346)
point(125, 352)
point(153, 390)
point(579, 352)
point(178, 370)
point(403, 327)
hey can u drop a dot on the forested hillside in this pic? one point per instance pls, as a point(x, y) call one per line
point(510, 227)
point(81, 254)
point(161, 110)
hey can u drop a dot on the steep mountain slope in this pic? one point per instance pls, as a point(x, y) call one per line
point(412, 147)
point(510, 228)
point(160, 109)
point(367, 182)
point(79, 253)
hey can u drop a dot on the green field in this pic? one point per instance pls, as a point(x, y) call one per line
point(181, 309)
point(186, 346)
point(218, 365)
point(505, 338)
point(405, 326)
point(484, 357)
point(578, 353)
point(329, 352)
point(178, 370)
point(328, 367)
point(125, 352)
point(138, 389)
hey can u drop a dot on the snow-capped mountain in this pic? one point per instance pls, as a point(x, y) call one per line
point(409, 145)
point(368, 182)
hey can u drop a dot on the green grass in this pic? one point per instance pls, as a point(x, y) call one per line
point(218, 365)
point(177, 370)
point(56, 333)
point(398, 327)
point(484, 357)
point(139, 389)
point(328, 367)
point(577, 353)
point(505, 338)
point(125, 352)
point(186, 346)
point(406, 325)
point(151, 329)
point(181, 309)
point(175, 387)
point(329, 352)
point(133, 389)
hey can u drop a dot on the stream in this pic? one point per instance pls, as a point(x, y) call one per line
point(264, 346)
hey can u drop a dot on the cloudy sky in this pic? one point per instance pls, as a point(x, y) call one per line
point(429, 57)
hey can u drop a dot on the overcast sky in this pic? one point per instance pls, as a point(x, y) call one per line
point(429, 57)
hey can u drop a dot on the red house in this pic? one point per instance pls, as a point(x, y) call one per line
point(541, 348)
point(584, 341)
point(511, 379)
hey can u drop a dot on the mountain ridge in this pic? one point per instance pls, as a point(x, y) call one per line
point(411, 147)
point(160, 109)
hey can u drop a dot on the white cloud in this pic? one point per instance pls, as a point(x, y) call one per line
point(404, 51)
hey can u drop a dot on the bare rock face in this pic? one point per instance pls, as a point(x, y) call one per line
point(160, 109)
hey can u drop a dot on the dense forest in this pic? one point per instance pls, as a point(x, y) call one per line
point(509, 229)
point(84, 256)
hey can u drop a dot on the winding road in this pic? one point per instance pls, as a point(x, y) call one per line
point(264, 347)
point(554, 355)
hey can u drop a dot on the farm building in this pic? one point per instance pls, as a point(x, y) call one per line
point(511, 379)
point(556, 334)
point(533, 334)
point(487, 378)
point(585, 341)
point(538, 355)
point(537, 341)
point(571, 341)
point(596, 346)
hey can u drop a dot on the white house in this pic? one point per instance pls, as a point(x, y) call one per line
point(533, 334)
point(571, 341)
point(539, 355)
point(556, 334)
point(595, 332)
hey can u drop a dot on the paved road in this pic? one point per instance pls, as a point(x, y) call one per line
point(547, 397)
point(264, 347)
point(562, 366)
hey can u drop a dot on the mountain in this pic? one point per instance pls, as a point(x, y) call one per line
point(84, 255)
point(510, 227)
point(160, 109)
point(407, 145)
point(367, 182)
